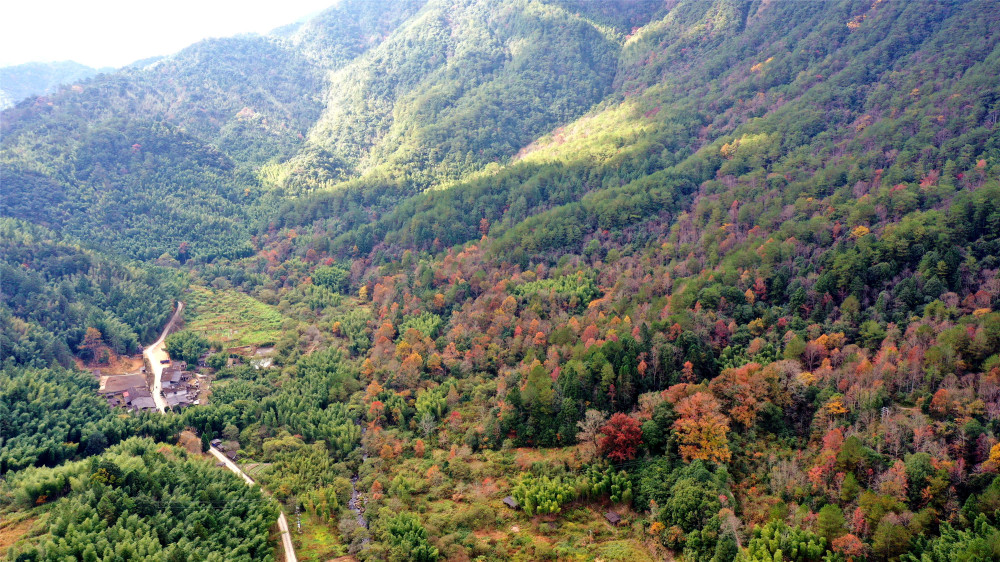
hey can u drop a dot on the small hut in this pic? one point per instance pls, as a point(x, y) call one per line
point(613, 518)
point(510, 502)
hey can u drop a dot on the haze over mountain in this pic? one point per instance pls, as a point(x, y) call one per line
point(37, 78)
point(726, 270)
point(115, 33)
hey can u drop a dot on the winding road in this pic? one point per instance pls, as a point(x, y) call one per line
point(286, 536)
point(158, 352)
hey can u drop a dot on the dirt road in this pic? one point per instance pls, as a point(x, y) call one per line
point(286, 536)
point(157, 353)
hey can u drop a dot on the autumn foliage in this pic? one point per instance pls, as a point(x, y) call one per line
point(621, 439)
point(701, 429)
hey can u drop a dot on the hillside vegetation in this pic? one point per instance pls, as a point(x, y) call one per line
point(141, 501)
point(33, 78)
point(60, 299)
point(727, 269)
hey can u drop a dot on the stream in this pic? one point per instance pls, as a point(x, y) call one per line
point(355, 504)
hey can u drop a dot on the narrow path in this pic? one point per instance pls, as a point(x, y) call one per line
point(286, 536)
point(156, 353)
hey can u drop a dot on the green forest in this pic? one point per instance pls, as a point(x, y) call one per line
point(59, 299)
point(141, 500)
point(538, 280)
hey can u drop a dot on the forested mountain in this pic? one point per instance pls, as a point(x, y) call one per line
point(669, 134)
point(341, 33)
point(464, 84)
point(166, 153)
point(55, 294)
point(141, 500)
point(728, 271)
point(38, 78)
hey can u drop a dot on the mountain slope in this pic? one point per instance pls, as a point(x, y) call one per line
point(727, 270)
point(53, 291)
point(495, 75)
point(768, 110)
point(774, 246)
point(343, 32)
point(38, 79)
point(463, 84)
point(165, 153)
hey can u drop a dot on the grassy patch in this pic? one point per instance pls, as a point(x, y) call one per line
point(462, 508)
point(625, 551)
point(232, 317)
point(14, 527)
point(254, 469)
point(318, 540)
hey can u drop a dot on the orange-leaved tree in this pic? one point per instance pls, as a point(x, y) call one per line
point(701, 429)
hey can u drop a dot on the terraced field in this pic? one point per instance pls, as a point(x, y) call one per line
point(231, 317)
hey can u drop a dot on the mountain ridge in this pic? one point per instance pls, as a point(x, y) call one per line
point(40, 78)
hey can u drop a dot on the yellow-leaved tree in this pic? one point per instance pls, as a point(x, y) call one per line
point(701, 429)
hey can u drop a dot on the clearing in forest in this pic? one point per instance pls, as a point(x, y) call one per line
point(234, 318)
point(13, 530)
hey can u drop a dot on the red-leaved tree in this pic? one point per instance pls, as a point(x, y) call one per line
point(850, 547)
point(622, 437)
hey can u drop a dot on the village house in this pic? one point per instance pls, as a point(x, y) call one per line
point(134, 393)
point(176, 400)
point(172, 378)
point(179, 388)
point(143, 404)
